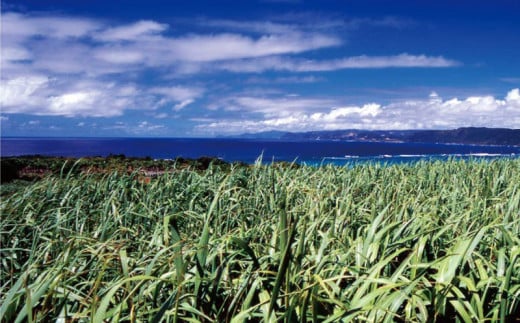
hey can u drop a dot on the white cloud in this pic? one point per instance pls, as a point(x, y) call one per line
point(275, 63)
point(206, 48)
point(146, 126)
point(182, 105)
point(73, 103)
point(161, 115)
point(402, 60)
point(286, 79)
point(15, 53)
point(22, 91)
point(132, 32)
point(177, 96)
point(178, 93)
point(38, 95)
point(188, 54)
point(54, 26)
point(368, 110)
point(430, 113)
point(89, 97)
point(54, 57)
point(513, 97)
point(119, 55)
point(141, 128)
point(268, 107)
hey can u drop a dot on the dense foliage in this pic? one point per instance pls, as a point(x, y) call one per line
point(433, 241)
point(35, 167)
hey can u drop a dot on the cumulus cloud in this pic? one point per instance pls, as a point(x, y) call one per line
point(431, 113)
point(22, 91)
point(39, 95)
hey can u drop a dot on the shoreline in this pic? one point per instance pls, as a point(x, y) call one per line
point(35, 167)
point(281, 140)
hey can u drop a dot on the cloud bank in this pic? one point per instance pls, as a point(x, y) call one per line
point(307, 114)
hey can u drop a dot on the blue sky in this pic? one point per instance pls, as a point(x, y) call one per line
point(205, 68)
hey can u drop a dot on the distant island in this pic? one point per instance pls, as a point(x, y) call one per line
point(468, 135)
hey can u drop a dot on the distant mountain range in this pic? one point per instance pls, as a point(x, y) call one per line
point(470, 136)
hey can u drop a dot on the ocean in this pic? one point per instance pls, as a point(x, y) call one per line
point(250, 150)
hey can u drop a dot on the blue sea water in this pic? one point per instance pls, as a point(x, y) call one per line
point(249, 150)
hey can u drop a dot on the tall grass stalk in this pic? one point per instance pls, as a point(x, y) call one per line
point(434, 241)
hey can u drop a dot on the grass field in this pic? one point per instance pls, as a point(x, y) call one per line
point(430, 242)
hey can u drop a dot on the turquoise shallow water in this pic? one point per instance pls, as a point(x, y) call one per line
point(248, 151)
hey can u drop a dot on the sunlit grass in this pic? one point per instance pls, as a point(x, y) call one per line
point(430, 242)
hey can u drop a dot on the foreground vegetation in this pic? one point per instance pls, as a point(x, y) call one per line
point(429, 242)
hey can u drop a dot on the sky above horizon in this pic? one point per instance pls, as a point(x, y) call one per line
point(206, 68)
